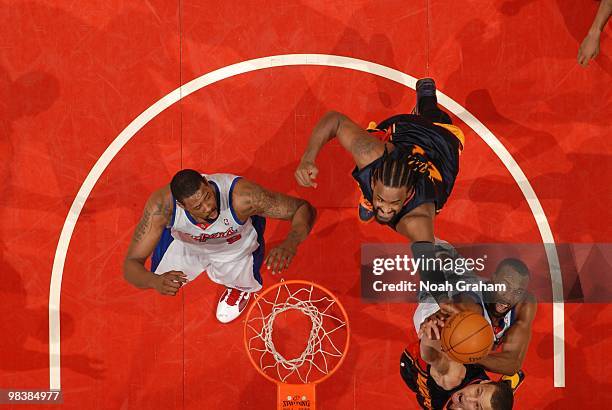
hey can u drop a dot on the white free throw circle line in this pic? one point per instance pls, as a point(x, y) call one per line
point(292, 60)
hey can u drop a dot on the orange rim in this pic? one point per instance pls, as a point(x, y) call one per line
point(297, 282)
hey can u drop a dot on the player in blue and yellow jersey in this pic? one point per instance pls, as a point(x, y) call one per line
point(406, 167)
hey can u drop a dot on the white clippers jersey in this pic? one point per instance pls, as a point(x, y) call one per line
point(506, 322)
point(508, 319)
point(227, 238)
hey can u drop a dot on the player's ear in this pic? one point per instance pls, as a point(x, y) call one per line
point(180, 204)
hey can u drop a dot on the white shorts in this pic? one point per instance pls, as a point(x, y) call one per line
point(241, 273)
point(425, 309)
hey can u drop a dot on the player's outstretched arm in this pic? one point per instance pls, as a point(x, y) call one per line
point(418, 224)
point(589, 48)
point(252, 199)
point(446, 372)
point(155, 217)
point(515, 344)
point(429, 335)
point(418, 227)
point(364, 147)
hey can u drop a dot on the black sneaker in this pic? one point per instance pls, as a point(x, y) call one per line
point(425, 87)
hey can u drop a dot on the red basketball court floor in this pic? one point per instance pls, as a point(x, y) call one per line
point(73, 75)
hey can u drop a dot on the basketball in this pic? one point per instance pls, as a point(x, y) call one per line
point(467, 337)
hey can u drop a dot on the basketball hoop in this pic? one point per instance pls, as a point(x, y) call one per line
point(296, 334)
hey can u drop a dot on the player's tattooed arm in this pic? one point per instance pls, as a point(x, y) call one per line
point(515, 341)
point(155, 217)
point(364, 147)
point(252, 199)
point(157, 213)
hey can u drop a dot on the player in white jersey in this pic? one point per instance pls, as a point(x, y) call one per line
point(213, 223)
point(510, 313)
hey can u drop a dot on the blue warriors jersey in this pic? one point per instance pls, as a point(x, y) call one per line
point(433, 151)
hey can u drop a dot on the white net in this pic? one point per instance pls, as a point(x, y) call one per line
point(326, 341)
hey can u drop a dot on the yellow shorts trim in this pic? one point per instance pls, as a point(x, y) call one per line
point(455, 130)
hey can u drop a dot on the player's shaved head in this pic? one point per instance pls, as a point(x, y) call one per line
point(516, 265)
point(514, 275)
point(185, 183)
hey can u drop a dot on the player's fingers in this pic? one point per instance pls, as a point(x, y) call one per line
point(271, 262)
point(283, 263)
point(175, 280)
point(298, 176)
point(436, 332)
point(168, 291)
point(172, 284)
point(309, 181)
point(302, 177)
point(305, 178)
point(425, 329)
point(270, 259)
point(278, 262)
point(312, 175)
point(177, 276)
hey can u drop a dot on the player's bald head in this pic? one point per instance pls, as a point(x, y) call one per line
point(186, 183)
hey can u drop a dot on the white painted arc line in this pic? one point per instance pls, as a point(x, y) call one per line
point(279, 61)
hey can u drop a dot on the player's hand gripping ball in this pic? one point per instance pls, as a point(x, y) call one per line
point(466, 337)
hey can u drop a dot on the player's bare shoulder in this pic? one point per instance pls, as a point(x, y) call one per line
point(160, 205)
point(526, 309)
point(156, 215)
point(251, 199)
point(244, 197)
